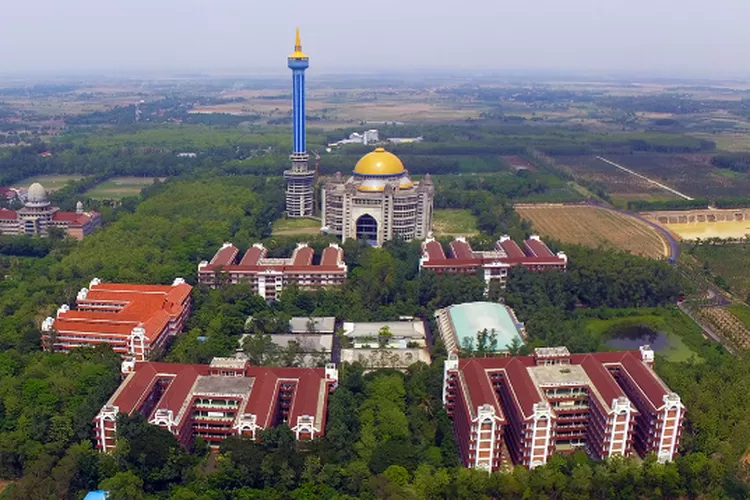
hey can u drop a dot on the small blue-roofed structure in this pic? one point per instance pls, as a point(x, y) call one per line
point(96, 495)
point(462, 321)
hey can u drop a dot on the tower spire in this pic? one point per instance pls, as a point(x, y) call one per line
point(299, 179)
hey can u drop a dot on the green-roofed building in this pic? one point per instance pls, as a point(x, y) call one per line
point(462, 321)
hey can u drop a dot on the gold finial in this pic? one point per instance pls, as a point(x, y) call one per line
point(298, 54)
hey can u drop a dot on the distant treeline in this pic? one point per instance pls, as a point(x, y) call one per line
point(24, 162)
point(701, 203)
point(738, 162)
point(732, 203)
point(642, 205)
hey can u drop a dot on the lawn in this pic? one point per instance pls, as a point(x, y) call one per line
point(295, 226)
point(50, 182)
point(454, 222)
point(118, 188)
point(679, 330)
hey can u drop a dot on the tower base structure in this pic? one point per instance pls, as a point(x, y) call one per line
point(299, 187)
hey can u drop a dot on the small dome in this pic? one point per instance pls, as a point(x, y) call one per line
point(36, 193)
point(372, 185)
point(379, 162)
point(405, 183)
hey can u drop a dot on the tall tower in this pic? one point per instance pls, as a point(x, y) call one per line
point(299, 179)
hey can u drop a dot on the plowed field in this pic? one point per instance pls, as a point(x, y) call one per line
point(594, 227)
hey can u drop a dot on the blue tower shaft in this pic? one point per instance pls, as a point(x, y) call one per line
point(298, 110)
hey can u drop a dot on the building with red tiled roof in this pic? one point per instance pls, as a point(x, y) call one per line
point(37, 217)
point(134, 319)
point(493, 265)
point(228, 397)
point(522, 409)
point(268, 276)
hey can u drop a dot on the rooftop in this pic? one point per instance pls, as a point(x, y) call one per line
point(300, 324)
point(227, 386)
point(527, 377)
point(258, 388)
point(399, 329)
point(473, 317)
point(255, 259)
point(117, 308)
point(550, 375)
point(507, 252)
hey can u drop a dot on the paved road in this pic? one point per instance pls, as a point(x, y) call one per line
point(655, 183)
point(674, 245)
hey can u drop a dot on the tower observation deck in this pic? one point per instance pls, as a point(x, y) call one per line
point(299, 179)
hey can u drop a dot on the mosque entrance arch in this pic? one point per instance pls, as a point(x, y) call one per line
point(367, 229)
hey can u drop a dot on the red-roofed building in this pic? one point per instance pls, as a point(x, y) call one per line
point(493, 265)
point(228, 397)
point(268, 276)
point(37, 217)
point(522, 409)
point(134, 319)
point(8, 193)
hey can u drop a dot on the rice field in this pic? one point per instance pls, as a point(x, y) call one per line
point(594, 227)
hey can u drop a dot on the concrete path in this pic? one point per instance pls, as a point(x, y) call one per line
point(659, 184)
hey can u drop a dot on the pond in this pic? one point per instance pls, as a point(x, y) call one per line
point(634, 336)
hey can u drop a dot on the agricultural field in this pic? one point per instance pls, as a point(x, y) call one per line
point(338, 107)
point(50, 182)
point(288, 227)
point(691, 174)
point(730, 262)
point(620, 185)
point(454, 222)
point(517, 163)
point(594, 227)
point(721, 320)
point(118, 188)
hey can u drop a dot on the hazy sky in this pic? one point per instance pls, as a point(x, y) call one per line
point(698, 37)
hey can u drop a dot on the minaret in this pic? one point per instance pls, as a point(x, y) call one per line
point(299, 179)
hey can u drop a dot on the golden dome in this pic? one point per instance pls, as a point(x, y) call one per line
point(379, 162)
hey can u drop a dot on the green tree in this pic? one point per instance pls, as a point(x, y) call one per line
point(123, 486)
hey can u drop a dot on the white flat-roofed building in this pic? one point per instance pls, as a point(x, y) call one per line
point(388, 344)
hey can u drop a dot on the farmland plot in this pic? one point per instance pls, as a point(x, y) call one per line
point(691, 174)
point(727, 325)
point(616, 182)
point(594, 227)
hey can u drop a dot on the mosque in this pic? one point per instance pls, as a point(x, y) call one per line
point(378, 203)
point(38, 216)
